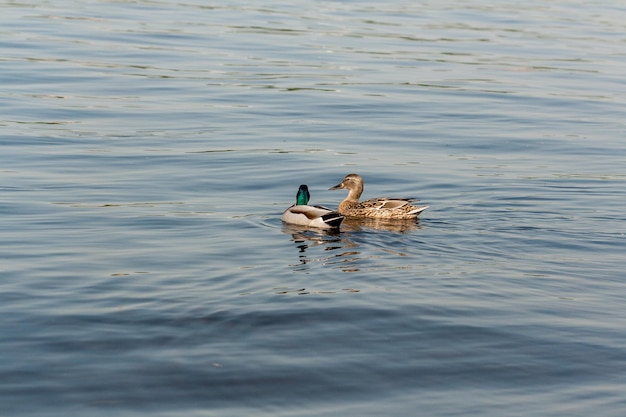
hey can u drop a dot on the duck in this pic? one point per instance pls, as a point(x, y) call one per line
point(378, 208)
point(311, 216)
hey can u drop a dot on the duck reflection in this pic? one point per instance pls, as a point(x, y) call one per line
point(305, 237)
point(328, 240)
point(334, 248)
point(356, 224)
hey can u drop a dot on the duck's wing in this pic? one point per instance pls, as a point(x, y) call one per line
point(311, 212)
point(386, 203)
point(323, 208)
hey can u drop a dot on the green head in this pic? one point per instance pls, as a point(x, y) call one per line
point(303, 196)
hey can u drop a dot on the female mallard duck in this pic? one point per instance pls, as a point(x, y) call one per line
point(312, 216)
point(379, 208)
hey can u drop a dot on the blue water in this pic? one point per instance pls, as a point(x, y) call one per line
point(148, 149)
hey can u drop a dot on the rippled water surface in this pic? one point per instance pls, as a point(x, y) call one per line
point(148, 149)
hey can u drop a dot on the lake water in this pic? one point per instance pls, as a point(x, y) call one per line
point(148, 149)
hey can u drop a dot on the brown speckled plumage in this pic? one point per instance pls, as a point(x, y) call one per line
point(379, 208)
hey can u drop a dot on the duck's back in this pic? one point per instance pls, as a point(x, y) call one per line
point(382, 208)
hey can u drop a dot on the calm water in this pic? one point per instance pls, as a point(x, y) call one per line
point(148, 149)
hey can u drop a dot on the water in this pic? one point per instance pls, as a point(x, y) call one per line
point(149, 148)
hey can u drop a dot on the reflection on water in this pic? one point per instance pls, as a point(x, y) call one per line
point(304, 291)
point(333, 241)
point(355, 224)
point(319, 247)
point(339, 249)
point(306, 236)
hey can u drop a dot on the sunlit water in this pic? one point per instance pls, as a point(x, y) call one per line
point(149, 148)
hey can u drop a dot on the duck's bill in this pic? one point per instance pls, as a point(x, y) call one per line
point(336, 187)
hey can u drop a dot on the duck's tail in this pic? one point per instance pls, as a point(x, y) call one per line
point(418, 209)
point(333, 219)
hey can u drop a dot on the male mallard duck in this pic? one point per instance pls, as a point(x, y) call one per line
point(380, 208)
point(313, 216)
